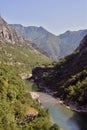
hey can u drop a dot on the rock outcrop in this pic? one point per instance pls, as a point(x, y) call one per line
point(8, 33)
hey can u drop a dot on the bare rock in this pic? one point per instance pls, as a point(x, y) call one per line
point(8, 34)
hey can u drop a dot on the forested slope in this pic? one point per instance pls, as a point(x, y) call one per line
point(68, 77)
point(18, 111)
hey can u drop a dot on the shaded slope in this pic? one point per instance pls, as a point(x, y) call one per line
point(68, 78)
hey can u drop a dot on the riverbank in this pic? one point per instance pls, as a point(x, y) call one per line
point(65, 118)
point(75, 107)
point(69, 105)
point(34, 95)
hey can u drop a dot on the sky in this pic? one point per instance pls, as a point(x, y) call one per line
point(57, 16)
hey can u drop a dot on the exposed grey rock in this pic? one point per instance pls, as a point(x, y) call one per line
point(8, 33)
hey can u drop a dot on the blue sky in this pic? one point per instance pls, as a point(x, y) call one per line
point(56, 16)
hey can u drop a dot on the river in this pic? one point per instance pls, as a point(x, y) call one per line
point(65, 118)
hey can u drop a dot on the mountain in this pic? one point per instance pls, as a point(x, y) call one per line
point(70, 41)
point(55, 46)
point(8, 34)
point(17, 52)
point(17, 108)
point(42, 38)
point(67, 78)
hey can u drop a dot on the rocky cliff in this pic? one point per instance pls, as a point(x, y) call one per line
point(8, 33)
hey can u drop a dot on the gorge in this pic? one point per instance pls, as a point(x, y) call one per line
point(66, 78)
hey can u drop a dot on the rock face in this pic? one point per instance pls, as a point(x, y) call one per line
point(8, 34)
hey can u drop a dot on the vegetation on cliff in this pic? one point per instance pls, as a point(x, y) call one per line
point(68, 77)
point(22, 57)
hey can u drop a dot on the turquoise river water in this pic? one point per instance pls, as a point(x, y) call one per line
point(65, 118)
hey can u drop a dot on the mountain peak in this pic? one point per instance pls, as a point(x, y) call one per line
point(8, 34)
point(2, 21)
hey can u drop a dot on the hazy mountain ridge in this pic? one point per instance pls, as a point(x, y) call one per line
point(70, 41)
point(42, 38)
point(55, 46)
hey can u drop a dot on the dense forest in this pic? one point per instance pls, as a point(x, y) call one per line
point(16, 105)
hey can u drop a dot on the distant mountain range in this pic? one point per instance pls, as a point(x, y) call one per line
point(42, 38)
point(55, 46)
point(70, 41)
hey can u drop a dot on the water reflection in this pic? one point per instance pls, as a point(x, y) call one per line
point(65, 118)
point(80, 121)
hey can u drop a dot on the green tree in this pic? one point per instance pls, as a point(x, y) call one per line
point(54, 127)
